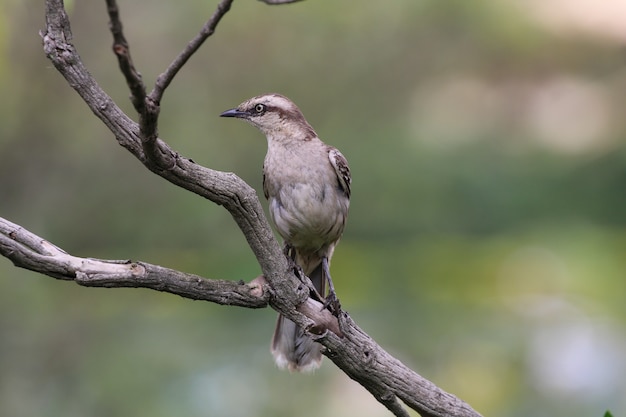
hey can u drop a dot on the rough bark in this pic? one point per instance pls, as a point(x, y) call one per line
point(281, 286)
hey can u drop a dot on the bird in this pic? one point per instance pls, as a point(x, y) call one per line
point(307, 185)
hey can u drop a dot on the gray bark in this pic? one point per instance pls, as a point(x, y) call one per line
point(280, 287)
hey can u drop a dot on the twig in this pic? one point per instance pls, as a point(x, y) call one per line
point(148, 106)
point(164, 80)
point(122, 51)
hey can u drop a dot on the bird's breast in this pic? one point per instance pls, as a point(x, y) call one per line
point(306, 203)
point(309, 216)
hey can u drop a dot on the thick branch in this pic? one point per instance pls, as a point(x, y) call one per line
point(388, 379)
point(355, 353)
point(222, 188)
point(29, 251)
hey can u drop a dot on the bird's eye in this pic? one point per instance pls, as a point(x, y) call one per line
point(259, 108)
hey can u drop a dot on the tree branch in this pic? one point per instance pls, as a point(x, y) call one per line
point(164, 80)
point(351, 349)
point(148, 106)
point(29, 251)
point(122, 51)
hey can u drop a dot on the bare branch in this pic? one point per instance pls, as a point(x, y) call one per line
point(222, 188)
point(148, 105)
point(351, 349)
point(29, 251)
point(122, 51)
point(207, 30)
point(386, 378)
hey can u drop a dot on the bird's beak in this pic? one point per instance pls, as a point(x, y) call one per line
point(234, 113)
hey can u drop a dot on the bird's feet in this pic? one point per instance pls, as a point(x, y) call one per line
point(298, 272)
point(332, 301)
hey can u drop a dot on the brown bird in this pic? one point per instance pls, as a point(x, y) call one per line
point(307, 184)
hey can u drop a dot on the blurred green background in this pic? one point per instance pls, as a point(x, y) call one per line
point(486, 245)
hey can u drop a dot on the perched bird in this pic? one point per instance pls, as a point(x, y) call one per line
point(307, 184)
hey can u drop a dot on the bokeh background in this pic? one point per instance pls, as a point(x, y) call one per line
point(486, 245)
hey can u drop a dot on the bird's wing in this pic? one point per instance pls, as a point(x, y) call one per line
point(339, 162)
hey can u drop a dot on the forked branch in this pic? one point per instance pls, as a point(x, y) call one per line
point(351, 349)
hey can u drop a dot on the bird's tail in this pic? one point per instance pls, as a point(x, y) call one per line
point(292, 347)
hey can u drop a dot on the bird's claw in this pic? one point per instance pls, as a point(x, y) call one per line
point(332, 303)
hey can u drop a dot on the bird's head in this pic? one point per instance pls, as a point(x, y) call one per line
point(272, 114)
